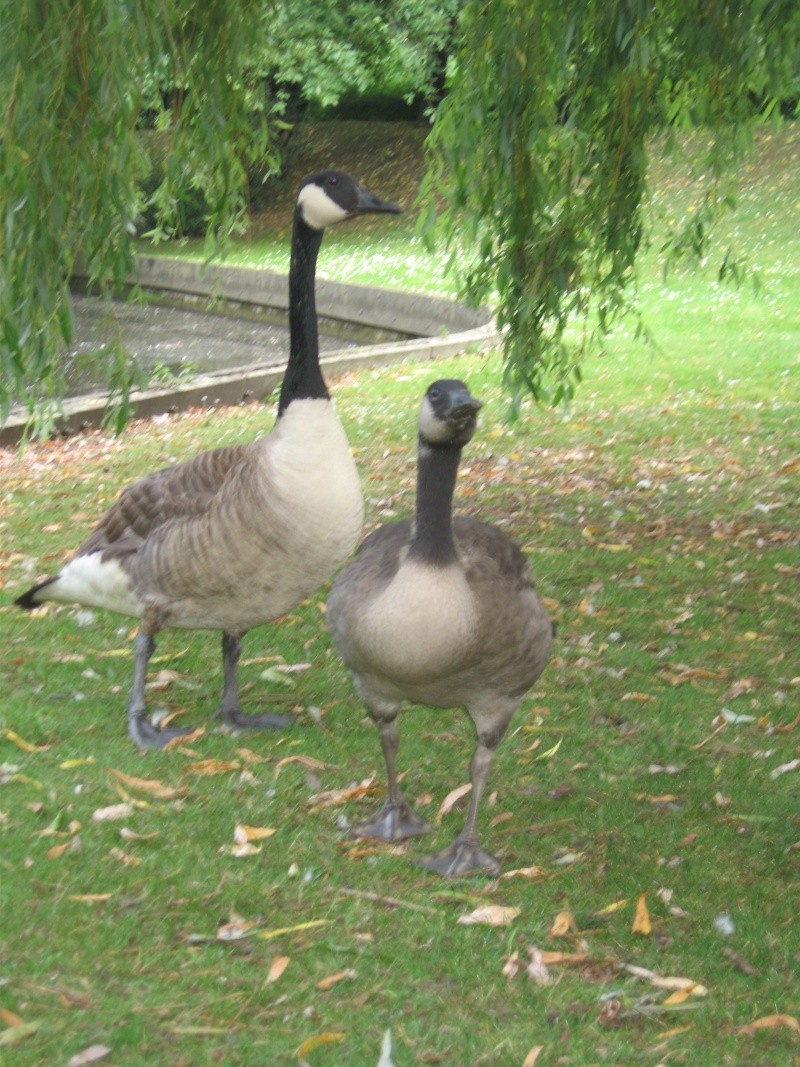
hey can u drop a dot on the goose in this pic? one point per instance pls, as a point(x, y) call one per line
point(235, 537)
point(439, 611)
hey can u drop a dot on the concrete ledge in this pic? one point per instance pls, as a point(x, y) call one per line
point(426, 328)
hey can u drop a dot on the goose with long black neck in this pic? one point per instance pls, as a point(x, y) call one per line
point(440, 611)
point(235, 537)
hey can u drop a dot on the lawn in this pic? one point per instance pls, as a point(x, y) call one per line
point(644, 803)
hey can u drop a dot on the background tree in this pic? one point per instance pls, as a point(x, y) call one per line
point(539, 151)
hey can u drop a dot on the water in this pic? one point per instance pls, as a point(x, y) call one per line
point(183, 341)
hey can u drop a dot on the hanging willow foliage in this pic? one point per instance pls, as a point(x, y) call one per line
point(74, 78)
point(539, 153)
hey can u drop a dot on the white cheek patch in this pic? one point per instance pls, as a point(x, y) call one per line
point(317, 208)
point(431, 427)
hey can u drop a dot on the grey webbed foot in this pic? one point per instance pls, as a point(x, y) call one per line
point(394, 822)
point(463, 857)
point(237, 720)
point(146, 735)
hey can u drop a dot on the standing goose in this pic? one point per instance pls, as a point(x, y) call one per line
point(443, 612)
point(235, 537)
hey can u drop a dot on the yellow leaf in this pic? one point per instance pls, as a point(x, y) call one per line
point(533, 1056)
point(304, 761)
point(249, 756)
point(68, 764)
point(489, 915)
point(267, 935)
point(57, 851)
point(151, 786)
point(334, 979)
point(609, 909)
point(26, 746)
point(213, 766)
point(243, 833)
point(641, 922)
point(452, 798)
point(771, 1022)
point(330, 1037)
point(564, 923)
point(89, 898)
point(276, 968)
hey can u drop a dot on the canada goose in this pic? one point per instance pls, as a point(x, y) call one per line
point(235, 537)
point(443, 612)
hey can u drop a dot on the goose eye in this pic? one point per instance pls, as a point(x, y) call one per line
point(333, 180)
point(434, 392)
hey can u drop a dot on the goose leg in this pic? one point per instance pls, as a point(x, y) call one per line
point(395, 820)
point(229, 709)
point(465, 856)
point(142, 731)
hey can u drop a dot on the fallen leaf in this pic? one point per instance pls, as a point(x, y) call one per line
point(213, 766)
point(609, 909)
point(249, 756)
point(163, 680)
point(330, 1037)
point(331, 798)
point(83, 761)
point(89, 898)
point(784, 768)
point(267, 935)
point(243, 834)
point(569, 959)
point(235, 930)
point(151, 786)
point(247, 848)
point(533, 1056)
point(771, 1022)
point(452, 798)
point(112, 812)
point(26, 746)
point(641, 922)
point(124, 857)
point(131, 835)
point(334, 979)
point(525, 872)
point(57, 851)
point(638, 698)
point(92, 1054)
point(489, 915)
point(537, 968)
point(276, 969)
point(18, 1033)
point(10, 1019)
point(564, 923)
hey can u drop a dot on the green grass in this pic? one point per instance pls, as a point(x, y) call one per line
point(661, 518)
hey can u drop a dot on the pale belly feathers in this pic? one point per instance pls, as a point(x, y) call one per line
point(420, 627)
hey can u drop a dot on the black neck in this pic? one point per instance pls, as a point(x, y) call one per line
point(303, 379)
point(433, 527)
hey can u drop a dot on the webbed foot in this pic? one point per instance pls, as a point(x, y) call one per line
point(463, 857)
point(146, 734)
point(394, 822)
point(237, 720)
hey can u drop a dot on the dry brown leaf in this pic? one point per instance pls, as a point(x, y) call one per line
point(771, 1022)
point(92, 1054)
point(637, 698)
point(242, 834)
point(247, 848)
point(568, 959)
point(331, 798)
point(213, 766)
point(563, 924)
point(112, 812)
point(641, 922)
point(10, 1019)
point(163, 680)
point(57, 851)
point(525, 872)
point(334, 979)
point(452, 798)
point(276, 968)
point(309, 762)
point(151, 786)
point(124, 857)
point(533, 1056)
point(330, 1037)
point(131, 835)
point(489, 915)
point(249, 756)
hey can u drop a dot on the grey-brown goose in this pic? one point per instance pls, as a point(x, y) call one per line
point(443, 612)
point(235, 537)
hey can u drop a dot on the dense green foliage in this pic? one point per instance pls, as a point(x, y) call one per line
point(540, 151)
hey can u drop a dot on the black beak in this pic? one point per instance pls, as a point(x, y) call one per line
point(369, 204)
point(464, 406)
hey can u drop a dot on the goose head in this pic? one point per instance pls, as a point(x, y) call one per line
point(331, 196)
point(449, 414)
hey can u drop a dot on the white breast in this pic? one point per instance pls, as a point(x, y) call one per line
point(421, 626)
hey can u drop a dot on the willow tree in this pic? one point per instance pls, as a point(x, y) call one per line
point(539, 152)
point(76, 78)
